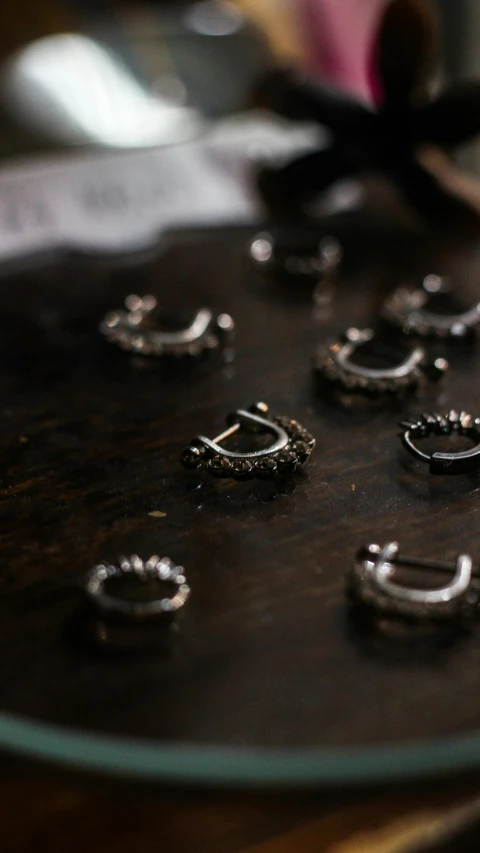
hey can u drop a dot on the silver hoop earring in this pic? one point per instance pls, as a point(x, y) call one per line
point(292, 446)
point(162, 571)
point(370, 581)
point(408, 310)
point(454, 423)
point(333, 363)
point(137, 329)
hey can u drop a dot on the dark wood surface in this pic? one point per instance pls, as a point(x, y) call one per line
point(265, 654)
point(39, 811)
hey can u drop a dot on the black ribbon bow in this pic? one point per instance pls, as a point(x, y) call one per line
point(384, 140)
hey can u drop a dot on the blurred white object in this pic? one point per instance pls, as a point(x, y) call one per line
point(70, 89)
point(122, 202)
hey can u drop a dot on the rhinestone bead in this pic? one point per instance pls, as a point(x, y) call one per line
point(466, 420)
point(242, 469)
point(284, 423)
point(286, 462)
point(301, 450)
point(304, 436)
point(294, 427)
point(265, 468)
point(219, 466)
point(297, 429)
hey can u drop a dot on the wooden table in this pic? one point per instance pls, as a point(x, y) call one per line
point(266, 654)
point(41, 811)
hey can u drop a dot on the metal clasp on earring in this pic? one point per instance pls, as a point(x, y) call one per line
point(408, 310)
point(453, 423)
point(292, 447)
point(137, 329)
point(371, 582)
point(334, 363)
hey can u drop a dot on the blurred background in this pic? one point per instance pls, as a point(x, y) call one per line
point(67, 65)
point(81, 80)
point(59, 54)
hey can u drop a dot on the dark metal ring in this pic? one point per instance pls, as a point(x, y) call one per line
point(292, 447)
point(454, 423)
point(333, 362)
point(136, 329)
point(162, 570)
point(407, 310)
point(370, 581)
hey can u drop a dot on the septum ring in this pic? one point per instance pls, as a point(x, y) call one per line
point(407, 310)
point(292, 447)
point(135, 328)
point(162, 571)
point(370, 582)
point(334, 363)
point(454, 423)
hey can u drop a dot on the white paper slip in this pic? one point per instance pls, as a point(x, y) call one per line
point(122, 202)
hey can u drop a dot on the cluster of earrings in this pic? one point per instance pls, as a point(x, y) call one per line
point(406, 310)
point(370, 586)
point(140, 328)
point(370, 581)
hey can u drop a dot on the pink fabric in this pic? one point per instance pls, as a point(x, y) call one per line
point(338, 38)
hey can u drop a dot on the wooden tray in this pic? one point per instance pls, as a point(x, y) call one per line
point(268, 679)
